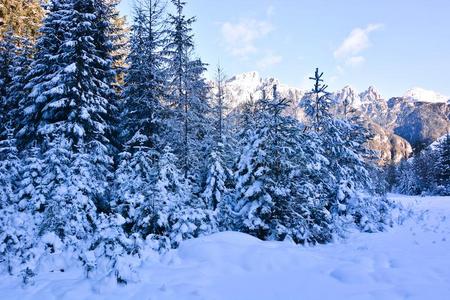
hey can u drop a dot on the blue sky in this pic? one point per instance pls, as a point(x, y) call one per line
point(392, 44)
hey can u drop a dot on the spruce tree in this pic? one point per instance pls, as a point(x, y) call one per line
point(143, 115)
point(188, 93)
point(8, 55)
point(42, 76)
point(9, 168)
point(442, 166)
point(143, 111)
point(134, 195)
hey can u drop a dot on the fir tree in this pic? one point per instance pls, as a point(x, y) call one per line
point(9, 169)
point(442, 166)
point(8, 52)
point(143, 111)
point(217, 179)
point(42, 76)
point(16, 91)
point(135, 194)
point(317, 103)
point(188, 92)
point(30, 191)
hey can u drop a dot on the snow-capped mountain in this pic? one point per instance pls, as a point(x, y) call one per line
point(245, 86)
point(423, 95)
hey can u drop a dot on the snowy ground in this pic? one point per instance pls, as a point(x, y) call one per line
point(411, 261)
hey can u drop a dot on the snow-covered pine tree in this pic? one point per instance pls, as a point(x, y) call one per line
point(143, 110)
point(30, 193)
point(17, 225)
point(134, 192)
point(423, 166)
point(442, 167)
point(61, 197)
point(317, 102)
point(199, 130)
point(71, 94)
point(188, 94)
point(43, 73)
point(407, 179)
point(142, 122)
point(8, 54)
point(271, 177)
point(118, 33)
point(178, 216)
point(15, 91)
point(172, 191)
point(67, 116)
point(9, 168)
point(219, 106)
point(343, 142)
point(217, 179)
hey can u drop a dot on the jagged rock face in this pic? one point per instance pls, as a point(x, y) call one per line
point(390, 147)
point(418, 118)
point(420, 123)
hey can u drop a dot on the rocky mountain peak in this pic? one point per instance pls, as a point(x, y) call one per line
point(370, 95)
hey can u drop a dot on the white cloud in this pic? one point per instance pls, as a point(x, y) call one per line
point(240, 38)
point(355, 61)
point(269, 60)
point(357, 41)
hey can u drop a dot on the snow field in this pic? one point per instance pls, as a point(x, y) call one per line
point(409, 261)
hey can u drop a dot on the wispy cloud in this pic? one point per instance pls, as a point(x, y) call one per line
point(355, 61)
point(241, 37)
point(357, 41)
point(269, 60)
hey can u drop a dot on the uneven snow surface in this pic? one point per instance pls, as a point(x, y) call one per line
point(410, 261)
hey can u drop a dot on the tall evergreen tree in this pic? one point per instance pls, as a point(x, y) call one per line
point(188, 92)
point(9, 168)
point(143, 110)
point(442, 166)
point(8, 52)
point(16, 90)
point(142, 121)
point(42, 76)
point(317, 103)
point(68, 116)
point(119, 35)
